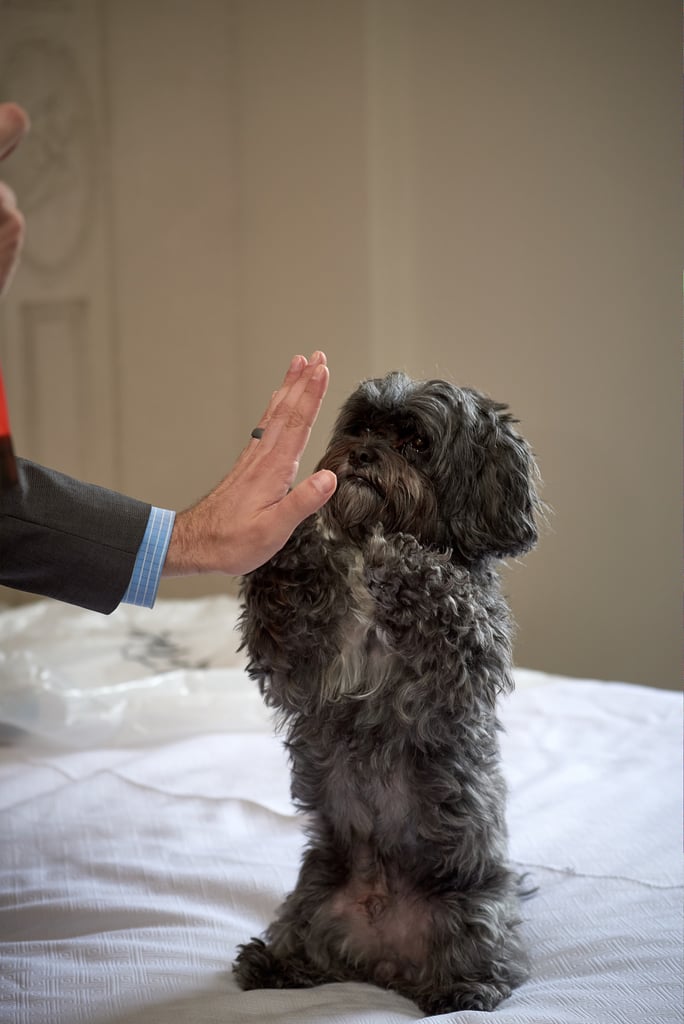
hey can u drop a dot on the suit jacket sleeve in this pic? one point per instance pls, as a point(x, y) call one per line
point(69, 540)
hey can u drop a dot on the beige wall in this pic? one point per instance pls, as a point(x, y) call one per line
point(485, 191)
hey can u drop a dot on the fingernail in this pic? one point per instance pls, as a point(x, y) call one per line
point(320, 372)
point(297, 365)
point(324, 481)
point(317, 357)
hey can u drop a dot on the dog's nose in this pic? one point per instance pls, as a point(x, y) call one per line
point(362, 455)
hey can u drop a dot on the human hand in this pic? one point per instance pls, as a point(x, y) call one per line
point(14, 124)
point(251, 513)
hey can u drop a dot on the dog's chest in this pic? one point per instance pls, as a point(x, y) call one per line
point(362, 663)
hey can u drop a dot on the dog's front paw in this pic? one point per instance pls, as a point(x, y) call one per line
point(401, 575)
point(399, 549)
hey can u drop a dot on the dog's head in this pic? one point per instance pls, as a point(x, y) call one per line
point(442, 463)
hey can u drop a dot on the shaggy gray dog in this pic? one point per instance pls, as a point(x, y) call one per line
point(380, 635)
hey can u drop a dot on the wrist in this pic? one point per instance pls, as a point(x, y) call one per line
point(185, 554)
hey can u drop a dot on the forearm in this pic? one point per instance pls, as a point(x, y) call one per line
point(68, 540)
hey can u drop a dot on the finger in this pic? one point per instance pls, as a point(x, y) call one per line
point(11, 237)
point(294, 371)
point(290, 423)
point(294, 374)
point(282, 401)
point(11, 219)
point(8, 200)
point(14, 124)
point(291, 387)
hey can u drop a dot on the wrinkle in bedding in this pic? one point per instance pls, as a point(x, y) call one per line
point(129, 875)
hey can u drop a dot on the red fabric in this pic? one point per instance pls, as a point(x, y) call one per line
point(4, 411)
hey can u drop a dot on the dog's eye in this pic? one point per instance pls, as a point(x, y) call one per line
point(415, 445)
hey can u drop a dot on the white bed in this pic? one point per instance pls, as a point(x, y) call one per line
point(149, 830)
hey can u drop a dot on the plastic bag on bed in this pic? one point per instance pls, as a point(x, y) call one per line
point(138, 675)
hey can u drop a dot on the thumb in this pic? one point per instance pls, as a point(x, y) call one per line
point(307, 497)
point(14, 124)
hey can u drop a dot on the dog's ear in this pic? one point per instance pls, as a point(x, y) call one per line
point(496, 505)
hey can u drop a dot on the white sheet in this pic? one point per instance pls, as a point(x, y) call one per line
point(128, 874)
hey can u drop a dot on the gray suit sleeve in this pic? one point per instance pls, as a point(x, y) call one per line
point(65, 539)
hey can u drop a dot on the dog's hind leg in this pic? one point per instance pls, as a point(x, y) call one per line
point(257, 966)
point(477, 958)
point(296, 952)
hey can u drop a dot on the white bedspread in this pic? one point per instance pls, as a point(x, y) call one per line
point(129, 873)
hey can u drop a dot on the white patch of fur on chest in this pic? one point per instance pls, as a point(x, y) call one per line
point(361, 665)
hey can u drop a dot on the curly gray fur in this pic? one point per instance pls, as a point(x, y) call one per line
point(380, 635)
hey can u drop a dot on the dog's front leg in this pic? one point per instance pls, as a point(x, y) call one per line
point(438, 616)
point(417, 591)
point(293, 609)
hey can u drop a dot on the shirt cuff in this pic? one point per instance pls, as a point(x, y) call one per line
point(144, 583)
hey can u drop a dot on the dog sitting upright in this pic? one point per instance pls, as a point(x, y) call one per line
point(380, 635)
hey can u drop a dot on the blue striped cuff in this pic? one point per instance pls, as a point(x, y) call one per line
point(144, 584)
